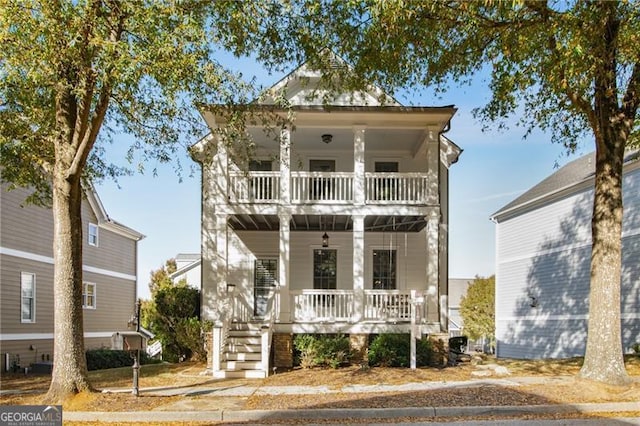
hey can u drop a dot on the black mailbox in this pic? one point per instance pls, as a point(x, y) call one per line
point(128, 341)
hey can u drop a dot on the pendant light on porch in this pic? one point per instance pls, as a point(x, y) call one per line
point(325, 237)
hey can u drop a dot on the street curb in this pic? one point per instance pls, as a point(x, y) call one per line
point(335, 413)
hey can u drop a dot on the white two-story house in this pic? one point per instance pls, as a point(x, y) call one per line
point(337, 225)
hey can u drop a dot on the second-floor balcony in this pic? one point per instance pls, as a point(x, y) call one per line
point(328, 188)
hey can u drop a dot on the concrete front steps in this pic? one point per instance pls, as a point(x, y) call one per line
point(242, 357)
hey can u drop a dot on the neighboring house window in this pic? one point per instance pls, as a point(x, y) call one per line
point(93, 234)
point(264, 281)
point(89, 295)
point(28, 297)
point(325, 262)
point(384, 269)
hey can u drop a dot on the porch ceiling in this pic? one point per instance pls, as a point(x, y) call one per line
point(375, 223)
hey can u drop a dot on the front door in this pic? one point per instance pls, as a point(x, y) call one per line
point(264, 282)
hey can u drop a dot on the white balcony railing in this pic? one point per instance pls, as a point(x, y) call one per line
point(328, 187)
point(321, 187)
point(405, 188)
point(254, 187)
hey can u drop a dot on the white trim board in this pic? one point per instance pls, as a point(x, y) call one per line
point(44, 336)
point(45, 259)
point(540, 318)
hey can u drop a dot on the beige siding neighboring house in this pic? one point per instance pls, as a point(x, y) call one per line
point(26, 277)
point(340, 225)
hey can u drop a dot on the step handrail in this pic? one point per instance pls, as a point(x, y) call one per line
point(266, 332)
point(221, 328)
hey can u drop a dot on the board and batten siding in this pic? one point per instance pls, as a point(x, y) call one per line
point(543, 272)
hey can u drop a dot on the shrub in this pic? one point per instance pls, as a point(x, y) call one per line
point(321, 350)
point(102, 359)
point(394, 350)
point(636, 348)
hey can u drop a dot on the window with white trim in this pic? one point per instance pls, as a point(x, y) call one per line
point(384, 269)
point(89, 295)
point(27, 297)
point(325, 268)
point(93, 234)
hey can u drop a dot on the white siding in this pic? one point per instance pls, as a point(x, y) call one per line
point(543, 258)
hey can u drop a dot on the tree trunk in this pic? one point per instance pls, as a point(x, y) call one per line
point(69, 375)
point(603, 359)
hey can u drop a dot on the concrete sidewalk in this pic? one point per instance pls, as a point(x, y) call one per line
point(229, 405)
point(337, 414)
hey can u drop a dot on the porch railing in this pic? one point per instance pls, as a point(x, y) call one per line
point(321, 187)
point(387, 305)
point(266, 332)
point(406, 188)
point(254, 187)
point(322, 305)
point(221, 329)
point(338, 305)
point(328, 187)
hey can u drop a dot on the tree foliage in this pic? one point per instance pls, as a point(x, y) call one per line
point(173, 315)
point(176, 322)
point(76, 75)
point(478, 307)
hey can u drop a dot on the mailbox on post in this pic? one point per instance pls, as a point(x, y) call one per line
point(133, 342)
point(128, 341)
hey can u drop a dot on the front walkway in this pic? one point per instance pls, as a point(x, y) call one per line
point(226, 403)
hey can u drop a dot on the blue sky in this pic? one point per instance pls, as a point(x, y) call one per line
point(495, 167)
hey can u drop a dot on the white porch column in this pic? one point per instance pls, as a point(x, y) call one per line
point(221, 261)
point(433, 172)
point(284, 306)
point(358, 166)
point(358, 267)
point(285, 166)
point(433, 260)
point(214, 190)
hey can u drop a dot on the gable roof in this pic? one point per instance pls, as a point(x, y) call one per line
point(571, 175)
point(300, 87)
point(300, 90)
point(104, 221)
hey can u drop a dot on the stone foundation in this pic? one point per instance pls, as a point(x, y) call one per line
point(359, 344)
point(282, 350)
point(440, 345)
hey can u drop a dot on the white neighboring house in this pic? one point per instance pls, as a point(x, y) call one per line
point(188, 268)
point(340, 226)
point(543, 253)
